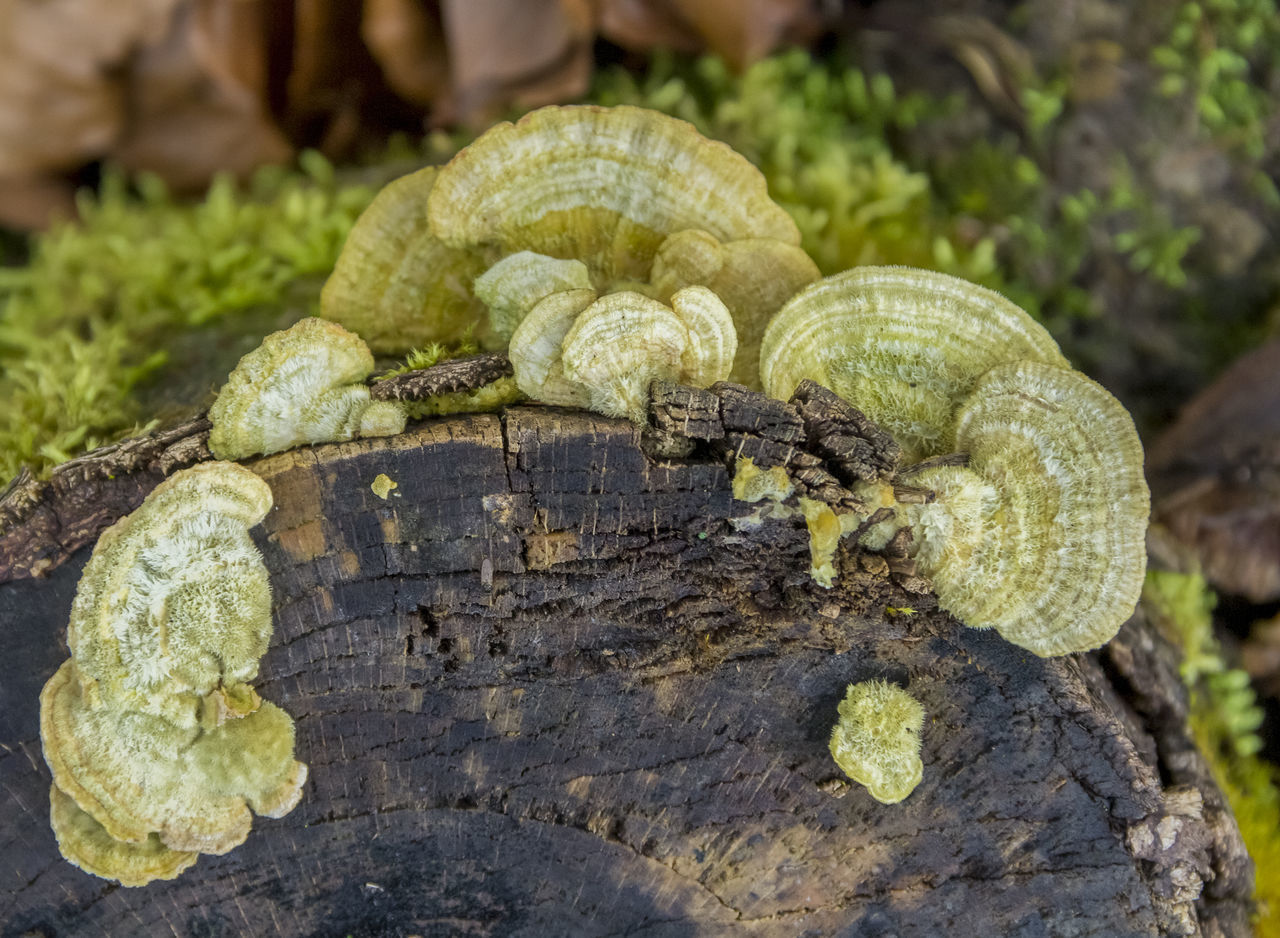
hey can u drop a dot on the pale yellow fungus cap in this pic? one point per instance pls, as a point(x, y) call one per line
point(139, 775)
point(604, 353)
point(175, 600)
point(902, 345)
point(876, 740)
point(601, 185)
point(395, 283)
point(87, 844)
point(514, 285)
point(157, 745)
point(1043, 536)
point(301, 385)
point(752, 277)
point(536, 347)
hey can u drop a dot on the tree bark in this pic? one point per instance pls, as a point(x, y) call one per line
point(559, 682)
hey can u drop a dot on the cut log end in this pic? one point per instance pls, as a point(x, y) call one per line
point(552, 684)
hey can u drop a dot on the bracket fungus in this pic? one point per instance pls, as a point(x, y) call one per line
point(566, 199)
point(302, 385)
point(157, 744)
point(902, 345)
point(601, 185)
point(514, 285)
point(1042, 535)
point(1052, 509)
point(876, 740)
point(398, 285)
point(603, 353)
point(753, 277)
point(174, 603)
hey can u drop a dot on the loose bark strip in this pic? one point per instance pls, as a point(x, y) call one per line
point(459, 374)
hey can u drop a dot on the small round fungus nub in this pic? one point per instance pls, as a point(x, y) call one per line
point(902, 345)
point(1043, 536)
point(876, 740)
point(302, 385)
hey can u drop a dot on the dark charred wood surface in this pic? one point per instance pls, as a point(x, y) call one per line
point(556, 685)
point(43, 522)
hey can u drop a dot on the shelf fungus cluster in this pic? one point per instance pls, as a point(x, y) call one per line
point(1040, 531)
point(304, 384)
point(565, 210)
point(158, 745)
point(876, 739)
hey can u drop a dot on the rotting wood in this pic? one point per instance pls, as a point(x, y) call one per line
point(459, 374)
point(43, 522)
point(554, 684)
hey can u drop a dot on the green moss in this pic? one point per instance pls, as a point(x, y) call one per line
point(1224, 719)
point(87, 321)
point(1210, 58)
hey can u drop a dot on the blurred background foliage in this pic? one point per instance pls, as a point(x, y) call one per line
point(177, 178)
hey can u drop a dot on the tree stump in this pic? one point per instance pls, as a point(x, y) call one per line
point(559, 682)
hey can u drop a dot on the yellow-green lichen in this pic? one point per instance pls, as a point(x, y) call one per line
point(382, 485)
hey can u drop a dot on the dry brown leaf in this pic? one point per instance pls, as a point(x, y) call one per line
point(1215, 477)
point(190, 113)
point(740, 31)
point(61, 98)
point(407, 39)
point(34, 202)
point(527, 52)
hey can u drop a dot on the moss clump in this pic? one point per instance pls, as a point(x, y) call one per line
point(88, 319)
point(1224, 719)
point(1211, 58)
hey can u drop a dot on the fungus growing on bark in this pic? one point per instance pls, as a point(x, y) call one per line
point(567, 198)
point(395, 283)
point(514, 285)
point(876, 740)
point(137, 774)
point(302, 385)
point(601, 185)
point(902, 345)
point(577, 350)
point(175, 603)
point(753, 277)
point(157, 744)
point(87, 844)
point(1042, 536)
